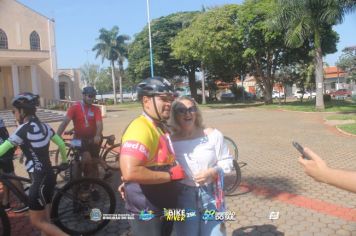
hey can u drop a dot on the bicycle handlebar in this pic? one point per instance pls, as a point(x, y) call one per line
point(60, 168)
point(110, 138)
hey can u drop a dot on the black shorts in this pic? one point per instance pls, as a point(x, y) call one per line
point(89, 146)
point(7, 165)
point(41, 190)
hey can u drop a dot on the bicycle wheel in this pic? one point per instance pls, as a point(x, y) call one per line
point(233, 150)
point(5, 226)
point(233, 179)
point(111, 156)
point(77, 208)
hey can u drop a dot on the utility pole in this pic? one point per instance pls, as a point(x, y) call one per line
point(203, 101)
point(149, 36)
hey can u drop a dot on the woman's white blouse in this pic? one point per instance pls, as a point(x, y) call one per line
point(202, 153)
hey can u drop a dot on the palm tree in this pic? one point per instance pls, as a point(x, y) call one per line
point(306, 20)
point(89, 72)
point(112, 47)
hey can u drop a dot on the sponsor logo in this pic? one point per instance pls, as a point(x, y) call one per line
point(225, 216)
point(174, 214)
point(274, 215)
point(146, 215)
point(136, 146)
point(208, 215)
point(218, 216)
point(190, 213)
point(118, 216)
point(95, 214)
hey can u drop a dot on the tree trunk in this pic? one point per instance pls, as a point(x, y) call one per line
point(113, 81)
point(319, 80)
point(192, 85)
point(120, 83)
point(268, 87)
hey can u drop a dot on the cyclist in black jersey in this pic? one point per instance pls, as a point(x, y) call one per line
point(7, 167)
point(34, 137)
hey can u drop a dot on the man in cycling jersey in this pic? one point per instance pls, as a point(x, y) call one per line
point(147, 161)
point(34, 138)
point(88, 127)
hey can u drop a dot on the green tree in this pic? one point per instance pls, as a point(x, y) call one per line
point(112, 47)
point(89, 73)
point(163, 29)
point(264, 51)
point(210, 40)
point(232, 40)
point(307, 20)
point(103, 82)
point(347, 62)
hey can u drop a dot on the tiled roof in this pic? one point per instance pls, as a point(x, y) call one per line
point(333, 72)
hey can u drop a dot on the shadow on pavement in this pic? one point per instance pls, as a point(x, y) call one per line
point(268, 187)
point(257, 230)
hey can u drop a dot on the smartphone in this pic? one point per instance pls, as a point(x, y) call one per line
point(300, 149)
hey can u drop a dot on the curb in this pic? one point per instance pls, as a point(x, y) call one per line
point(338, 129)
point(344, 132)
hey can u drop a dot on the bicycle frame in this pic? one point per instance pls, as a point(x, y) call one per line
point(6, 180)
point(106, 143)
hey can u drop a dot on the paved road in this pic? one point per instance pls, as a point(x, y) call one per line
point(272, 179)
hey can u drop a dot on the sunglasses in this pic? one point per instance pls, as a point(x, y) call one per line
point(90, 96)
point(166, 98)
point(184, 110)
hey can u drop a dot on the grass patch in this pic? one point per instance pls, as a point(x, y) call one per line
point(231, 105)
point(309, 106)
point(119, 106)
point(342, 117)
point(348, 128)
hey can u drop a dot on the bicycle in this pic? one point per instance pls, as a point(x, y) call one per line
point(73, 203)
point(232, 180)
point(109, 153)
point(5, 226)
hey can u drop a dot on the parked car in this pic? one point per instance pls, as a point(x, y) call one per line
point(250, 96)
point(276, 94)
point(227, 96)
point(307, 95)
point(341, 93)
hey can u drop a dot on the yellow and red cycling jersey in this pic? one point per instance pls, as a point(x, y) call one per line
point(145, 141)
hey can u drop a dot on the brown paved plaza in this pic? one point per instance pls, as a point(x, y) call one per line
point(272, 179)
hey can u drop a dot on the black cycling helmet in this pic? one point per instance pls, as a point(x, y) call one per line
point(153, 86)
point(89, 90)
point(26, 101)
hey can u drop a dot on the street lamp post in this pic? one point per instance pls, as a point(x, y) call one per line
point(149, 36)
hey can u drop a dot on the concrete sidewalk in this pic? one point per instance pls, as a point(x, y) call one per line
point(273, 181)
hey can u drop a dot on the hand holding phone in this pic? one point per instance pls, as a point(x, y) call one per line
point(300, 149)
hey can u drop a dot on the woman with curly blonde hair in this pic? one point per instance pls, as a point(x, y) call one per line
point(204, 157)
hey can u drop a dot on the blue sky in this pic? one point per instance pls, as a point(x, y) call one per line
point(78, 23)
